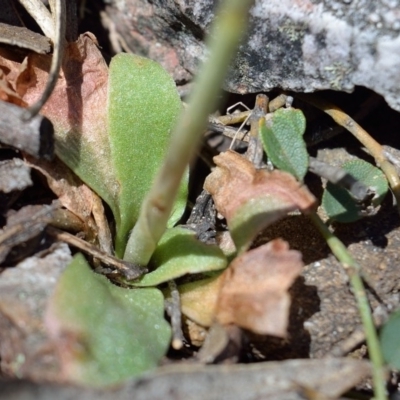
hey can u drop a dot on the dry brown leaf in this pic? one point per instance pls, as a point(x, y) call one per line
point(76, 197)
point(7, 92)
point(81, 87)
point(252, 199)
point(77, 106)
point(253, 292)
point(12, 73)
point(72, 193)
point(235, 181)
point(77, 109)
point(199, 299)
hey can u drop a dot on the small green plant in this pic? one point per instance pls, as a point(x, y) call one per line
point(119, 157)
point(140, 170)
point(281, 134)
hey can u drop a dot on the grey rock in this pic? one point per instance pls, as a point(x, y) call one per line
point(303, 46)
point(14, 175)
point(271, 380)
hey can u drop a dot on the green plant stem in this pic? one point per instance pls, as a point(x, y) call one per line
point(353, 270)
point(374, 148)
point(229, 27)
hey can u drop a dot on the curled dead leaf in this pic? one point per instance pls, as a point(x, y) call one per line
point(78, 198)
point(253, 292)
point(252, 199)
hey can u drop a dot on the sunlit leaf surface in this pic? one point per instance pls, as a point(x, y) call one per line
point(282, 137)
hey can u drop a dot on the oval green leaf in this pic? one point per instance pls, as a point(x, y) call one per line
point(340, 205)
point(104, 333)
point(282, 138)
point(143, 105)
point(180, 253)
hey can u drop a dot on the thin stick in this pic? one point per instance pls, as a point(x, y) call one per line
point(235, 118)
point(255, 151)
point(58, 43)
point(229, 131)
point(374, 148)
point(340, 177)
point(353, 271)
point(237, 132)
point(223, 41)
point(128, 270)
point(277, 102)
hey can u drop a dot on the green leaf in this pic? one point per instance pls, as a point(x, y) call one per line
point(390, 340)
point(282, 137)
point(254, 216)
point(112, 127)
point(104, 333)
point(338, 203)
point(180, 253)
point(143, 105)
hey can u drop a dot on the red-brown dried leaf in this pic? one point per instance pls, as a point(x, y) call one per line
point(14, 75)
point(235, 181)
point(251, 199)
point(254, 289)
point(77, 107)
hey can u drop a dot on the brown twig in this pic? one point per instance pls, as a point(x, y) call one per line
point(232, 119)
point(129, 270)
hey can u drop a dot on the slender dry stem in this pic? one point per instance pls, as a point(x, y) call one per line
point(229, 27)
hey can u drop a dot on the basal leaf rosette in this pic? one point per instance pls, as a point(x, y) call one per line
point(112, 125)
